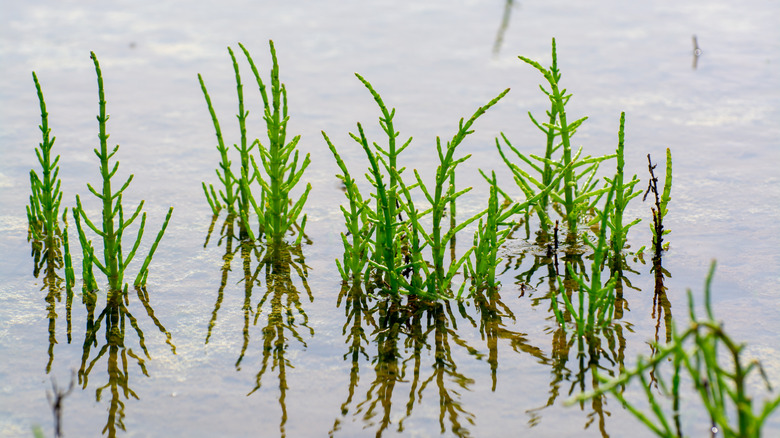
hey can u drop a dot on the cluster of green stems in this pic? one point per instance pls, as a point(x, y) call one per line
point(274, 165)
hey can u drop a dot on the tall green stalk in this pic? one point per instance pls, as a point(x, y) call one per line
point(624, 193)
point(45, 197)
point(228, 195)
point(114, 262)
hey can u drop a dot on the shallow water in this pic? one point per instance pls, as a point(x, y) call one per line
point(433, 62)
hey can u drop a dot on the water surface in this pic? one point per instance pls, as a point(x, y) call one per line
point(493, 367)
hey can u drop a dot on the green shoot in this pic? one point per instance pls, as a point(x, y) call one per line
point(487, 241)
point(46, 197)
point(624, 193)
point(114, 262)
point(600, 297)
point(280, 161)
point(228, 195)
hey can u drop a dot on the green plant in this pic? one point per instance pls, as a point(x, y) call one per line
point(46, 197)
point(356, 240)
point(579, 193)
point(49, 241)
point(439, 278)
point(624, 193)
point(383, 242)
point(373, 231)
point(113, 226)
point(488, 238)
point(400, 233)
point(713, 363)
point(228, 195)
point(279, 168)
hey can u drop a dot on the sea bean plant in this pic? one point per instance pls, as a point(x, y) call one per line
point(276, 170)
point(623, 193)
point(388, 235)
point(49, 240)
point(591, 304)
point(489, 237)
point(578, 192)
point(114, 262)
point(46, 197)
point(705, 356)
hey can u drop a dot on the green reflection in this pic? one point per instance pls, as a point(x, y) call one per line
point(413, 344)
point(118, 356)
point(285, 316)
point(492, 327)
point(575, 358)
point(505, 17)
point(51, 254)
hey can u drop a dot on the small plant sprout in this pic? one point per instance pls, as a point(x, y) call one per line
point(114, 262)
point(277, 171)
point(488, 239)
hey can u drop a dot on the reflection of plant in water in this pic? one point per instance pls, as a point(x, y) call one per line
point(493, 314)
point(401, 333)
point(662, 308)
point(284, 301)
point(502, 27)
point(114, 317)
point(601, 349)
point(604, 352)
point(54, 284)
point(578, 348)
point(280, 302)
point(360, 317)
